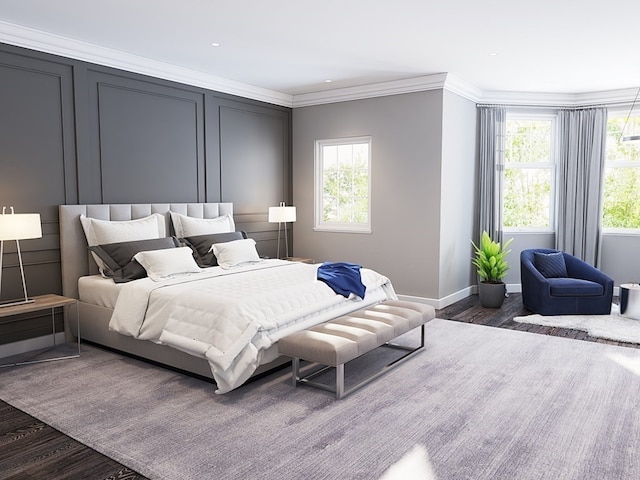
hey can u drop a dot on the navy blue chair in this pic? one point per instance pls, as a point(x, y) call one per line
point(556, 283)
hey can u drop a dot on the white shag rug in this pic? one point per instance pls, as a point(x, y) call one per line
point(612, 327)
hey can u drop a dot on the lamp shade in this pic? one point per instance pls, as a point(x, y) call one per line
point(282, 214)
point(20, 226)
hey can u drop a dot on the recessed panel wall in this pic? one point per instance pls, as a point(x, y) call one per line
point(252, 146)
point(73, 132)
point(150, 142)
point(36, 165)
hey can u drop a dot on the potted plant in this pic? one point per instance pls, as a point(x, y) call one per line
point(492, 266)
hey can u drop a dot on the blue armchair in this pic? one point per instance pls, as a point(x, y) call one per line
point(548, 289)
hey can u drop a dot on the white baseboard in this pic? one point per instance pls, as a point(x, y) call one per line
point(440, 302)
point(24, 346)
point(455, 297)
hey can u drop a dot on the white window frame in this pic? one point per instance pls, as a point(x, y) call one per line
point(319, 223)
point(552, 166)
point(621, 112)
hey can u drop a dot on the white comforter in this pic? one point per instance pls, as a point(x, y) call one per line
point(230, 317)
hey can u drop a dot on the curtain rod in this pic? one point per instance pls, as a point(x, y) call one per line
point(556, 107)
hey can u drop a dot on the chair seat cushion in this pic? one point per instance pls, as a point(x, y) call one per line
point(574, 287)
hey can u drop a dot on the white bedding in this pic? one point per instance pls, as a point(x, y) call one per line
point(98, 290)
point(230, 317)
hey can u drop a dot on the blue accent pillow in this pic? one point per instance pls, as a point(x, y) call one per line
point(550, 265)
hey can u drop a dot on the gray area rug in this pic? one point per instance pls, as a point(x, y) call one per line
point(479, 403)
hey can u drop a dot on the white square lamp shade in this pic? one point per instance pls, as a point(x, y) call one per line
point(18, 226)
point(282, 214)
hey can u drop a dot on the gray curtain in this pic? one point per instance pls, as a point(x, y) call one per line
point(492, 121)
point(581, 154)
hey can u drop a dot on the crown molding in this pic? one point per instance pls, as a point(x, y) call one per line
point(380, 89)
point(609, 97)
point(64, 46)
point(436, 81)
point(21, 36)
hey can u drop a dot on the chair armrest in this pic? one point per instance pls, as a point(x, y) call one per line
point(531, 276)
point(577, 268)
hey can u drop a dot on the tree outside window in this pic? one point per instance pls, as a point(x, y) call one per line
point(621, 208)
point(528, 179)
point(343, 179)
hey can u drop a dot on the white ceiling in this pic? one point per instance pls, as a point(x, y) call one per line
point(290, 47)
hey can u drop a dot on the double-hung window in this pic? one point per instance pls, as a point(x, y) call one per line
point(620, 202)
point(343, 185)
point(528, 195)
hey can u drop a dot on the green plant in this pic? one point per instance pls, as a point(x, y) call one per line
point(490, 259)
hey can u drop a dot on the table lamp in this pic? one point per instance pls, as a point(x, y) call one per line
point(282, 214)
point(15, 226)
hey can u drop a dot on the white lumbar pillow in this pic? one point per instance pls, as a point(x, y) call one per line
point(235, 253)
point(190, 226)
point(167, 263)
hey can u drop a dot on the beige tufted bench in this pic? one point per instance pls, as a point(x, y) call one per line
point(345, 338)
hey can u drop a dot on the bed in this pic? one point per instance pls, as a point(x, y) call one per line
point(221, 322)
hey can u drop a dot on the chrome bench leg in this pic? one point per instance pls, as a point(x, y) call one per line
point(295, 363)
point(339, 381)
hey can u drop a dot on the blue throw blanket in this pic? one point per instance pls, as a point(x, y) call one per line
point(343, 277)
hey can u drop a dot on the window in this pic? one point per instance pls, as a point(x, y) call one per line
point(343, 185)
point(528, 180)
point(621, 208)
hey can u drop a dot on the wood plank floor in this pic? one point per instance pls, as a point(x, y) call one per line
point(30, 449)
point(469, 310)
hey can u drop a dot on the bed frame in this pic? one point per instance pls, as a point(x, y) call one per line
point(94, 320)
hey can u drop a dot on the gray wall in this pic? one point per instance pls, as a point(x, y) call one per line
point(458, 196)
point(73, 132)
point(416, 156)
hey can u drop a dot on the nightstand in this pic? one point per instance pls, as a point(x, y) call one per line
point(299, 259)
point(43, 302)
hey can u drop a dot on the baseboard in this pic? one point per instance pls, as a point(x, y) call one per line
point(440, 302)
point(455, 297)
point(37, 343)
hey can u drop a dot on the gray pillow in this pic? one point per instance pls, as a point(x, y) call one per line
point(201, 246)
point(118, 257)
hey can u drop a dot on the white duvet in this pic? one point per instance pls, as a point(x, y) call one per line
point(230, 317)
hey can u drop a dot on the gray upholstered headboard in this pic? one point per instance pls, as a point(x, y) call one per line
point(74, 254)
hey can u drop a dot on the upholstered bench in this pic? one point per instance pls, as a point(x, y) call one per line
point(345, 338)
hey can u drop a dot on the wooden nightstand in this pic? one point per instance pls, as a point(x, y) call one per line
point(299, 259)
point(42, 302)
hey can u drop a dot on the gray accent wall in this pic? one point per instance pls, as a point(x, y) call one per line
point(74, 133)
point(419, 166)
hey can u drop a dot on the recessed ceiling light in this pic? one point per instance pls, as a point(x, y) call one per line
point(215, 44)
point(493, 54)
point(328, 81)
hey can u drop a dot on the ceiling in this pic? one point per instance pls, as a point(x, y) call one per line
point(293, 47)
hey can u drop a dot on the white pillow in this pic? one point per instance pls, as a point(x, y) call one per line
point(237, 252)
point(100, 232)
point(167, 263)
point(189, 226)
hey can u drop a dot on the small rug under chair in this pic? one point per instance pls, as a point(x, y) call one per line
point(611, 327)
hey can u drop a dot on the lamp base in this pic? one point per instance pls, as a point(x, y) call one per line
point(12, 303)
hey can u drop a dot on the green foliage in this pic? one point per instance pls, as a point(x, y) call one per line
point(527, 175)
point(620, 205)
point(490, 259)
point(346, 184)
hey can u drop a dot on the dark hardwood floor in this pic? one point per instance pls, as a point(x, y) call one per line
point(469, 310)
point(30, 449)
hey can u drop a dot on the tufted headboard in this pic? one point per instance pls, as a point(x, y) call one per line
point(74, 254)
